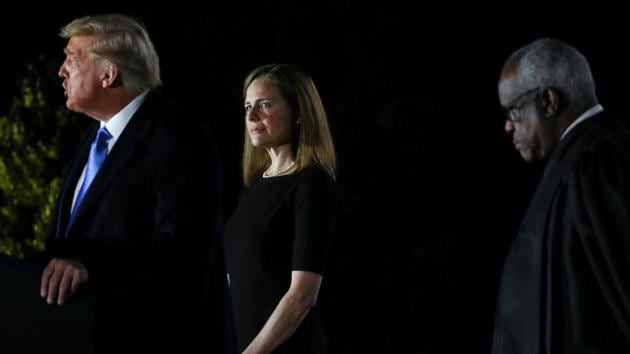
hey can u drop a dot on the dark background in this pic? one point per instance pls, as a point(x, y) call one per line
point(431, 190)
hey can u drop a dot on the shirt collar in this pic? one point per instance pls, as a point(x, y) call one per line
point(119, 121)
point(584, 116)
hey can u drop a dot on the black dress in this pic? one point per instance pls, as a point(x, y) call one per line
point(566, 282)
point(281, 224)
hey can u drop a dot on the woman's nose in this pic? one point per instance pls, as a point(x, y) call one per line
point(251, 115)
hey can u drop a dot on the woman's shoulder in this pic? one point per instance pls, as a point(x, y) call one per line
point(315, 173)
point(313, 180)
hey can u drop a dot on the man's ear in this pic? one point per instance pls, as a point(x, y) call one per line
point(109, 75)
point(551, 103)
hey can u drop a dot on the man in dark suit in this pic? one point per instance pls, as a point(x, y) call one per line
point(139, 211)
point(566, 281)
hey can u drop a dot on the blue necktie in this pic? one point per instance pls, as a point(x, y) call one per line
point(98, 152)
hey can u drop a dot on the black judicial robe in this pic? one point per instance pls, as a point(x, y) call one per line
point(565, 286)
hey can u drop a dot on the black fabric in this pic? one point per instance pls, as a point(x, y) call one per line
point(145, 231)
point(30, 325)
point(566, 281)
point(281, 224)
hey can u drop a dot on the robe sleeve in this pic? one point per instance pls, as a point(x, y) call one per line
point(601, 200)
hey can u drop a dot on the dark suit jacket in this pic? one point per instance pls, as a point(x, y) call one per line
point(147, 231)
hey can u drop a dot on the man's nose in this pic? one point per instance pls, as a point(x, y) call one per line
point(63, 73)
point(509, 126)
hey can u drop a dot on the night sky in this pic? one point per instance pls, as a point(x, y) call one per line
point(431, 190)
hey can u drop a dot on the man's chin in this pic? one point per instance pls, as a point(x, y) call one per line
point(527, 156)
point(72, 107)
point(533, 159)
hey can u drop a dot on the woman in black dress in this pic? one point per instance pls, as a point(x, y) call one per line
point(278, 238)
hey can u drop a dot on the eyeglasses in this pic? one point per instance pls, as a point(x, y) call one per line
point(512, 110)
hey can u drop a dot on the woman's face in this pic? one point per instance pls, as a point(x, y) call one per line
point(267, 114)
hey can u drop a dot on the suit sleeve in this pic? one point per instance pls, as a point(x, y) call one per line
point(188, 204)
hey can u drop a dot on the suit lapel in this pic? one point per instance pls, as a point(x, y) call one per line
point(129, 145)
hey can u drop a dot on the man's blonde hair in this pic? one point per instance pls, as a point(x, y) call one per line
point(123, 41)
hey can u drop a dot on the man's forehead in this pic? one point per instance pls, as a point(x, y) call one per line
point(78, 43)
point(509, 86)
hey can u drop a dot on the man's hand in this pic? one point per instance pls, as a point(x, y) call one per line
point(61, 279)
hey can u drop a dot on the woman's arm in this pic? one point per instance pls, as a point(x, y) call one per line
point(291, 310)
